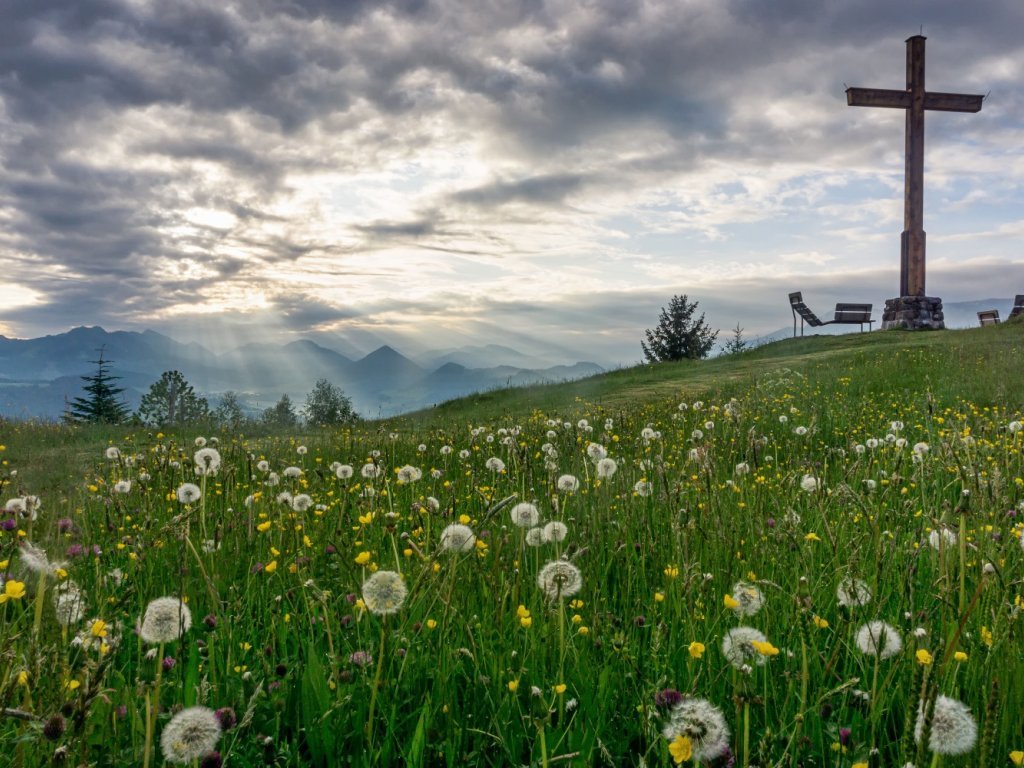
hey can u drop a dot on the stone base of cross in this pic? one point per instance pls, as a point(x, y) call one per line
point(913, 313)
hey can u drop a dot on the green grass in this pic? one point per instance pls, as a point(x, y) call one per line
point(470, 670)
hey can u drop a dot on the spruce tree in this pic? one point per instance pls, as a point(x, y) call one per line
point(103, 403)
point(679, 336)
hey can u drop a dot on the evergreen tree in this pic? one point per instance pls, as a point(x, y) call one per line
point(103, 404)
point(737, 343)
point(327, 405)
point(229, 413)
point(172, 401)
point(678, 336)
point(282, 414)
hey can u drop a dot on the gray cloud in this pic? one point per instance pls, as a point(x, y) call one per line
point(155, 156)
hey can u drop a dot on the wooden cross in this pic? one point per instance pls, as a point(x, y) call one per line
point(915, 100)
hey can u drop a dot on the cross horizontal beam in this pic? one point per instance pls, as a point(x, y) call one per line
point(939, 102)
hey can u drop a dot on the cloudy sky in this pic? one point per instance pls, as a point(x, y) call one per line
point(543, 174)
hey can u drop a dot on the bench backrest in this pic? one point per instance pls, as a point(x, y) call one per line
point(988, 317)
point(853, 313)
point(796, 301)
point(1018, 305)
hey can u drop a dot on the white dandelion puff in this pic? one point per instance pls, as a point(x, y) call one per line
point(191, 734)
point(810, 483)
point(749, 599)
point(458, 538)
point(568, 484)
point(495, 464)
point(559, 579)
point(703, 724)
point(535, 537)
point(606, 468)
point(525, 515)
point(738, 646)
point(954, 731)
point(852, 592)
point(207, 461)
point(555, 531)
point(409, 474)
point(166, 619)
point(344, 472)
point(384, 593)
point(189, 493)
point(943, 537)
point(876, 638)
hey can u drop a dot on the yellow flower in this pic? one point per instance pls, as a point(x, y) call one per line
point(923, 657)
point(465, 519)
point(4, 564)
point(986, 636)
point(820, 623)
point(659, 597)
point(861, 764)
point(812, 537)
point(730, 602)
point(960, 656)
point(681, 749)
point(559, 689)
point(98, 628)
point(526, 622)
point(513, 685)
point(431, 623)
point(366, 519)
point(264, 526)
point(696, 650)
point(522, 612)
point(71, 684)
point(584, 630)
point(23, 679)
point(671, 571)
point(271, 566)
point(1017, 757)
point(363, 558)
point(13, 590)
point(764, 648)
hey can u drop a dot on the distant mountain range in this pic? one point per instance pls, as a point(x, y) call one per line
point(38, 376)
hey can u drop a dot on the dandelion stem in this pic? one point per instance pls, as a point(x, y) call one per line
point(40, 591)
point(376, 686)
point(746, 733)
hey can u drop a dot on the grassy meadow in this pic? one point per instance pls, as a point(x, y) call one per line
point(796, 556)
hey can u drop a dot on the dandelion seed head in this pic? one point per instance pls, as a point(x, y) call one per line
point(559, 579)
point(852, 592)
point(876, 638)
point(301, 502)
point(568, 484)
point(166, 619)
point(524, 514)
point(189, 493)
point(123, 487)
point(954, 731)
point(606, 468)
point(738, 646)
point(384, 593)
point(942, 537)
point(749, 599)
point(535, 537)
point(494, 464)
point(596, 452)
point(292, 472)
point(112, 453)
point(555, 531)
point(458, 538)
point(191, 734)
point(207, 461)
point(703, 724)
point(344, 472)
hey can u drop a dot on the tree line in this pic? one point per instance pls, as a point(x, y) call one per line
point(172, 401)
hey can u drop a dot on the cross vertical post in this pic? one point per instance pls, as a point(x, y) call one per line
point(913, 309)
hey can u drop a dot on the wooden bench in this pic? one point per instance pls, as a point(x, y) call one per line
point(846, 314)
point(1018, 306)
point(988, 317)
